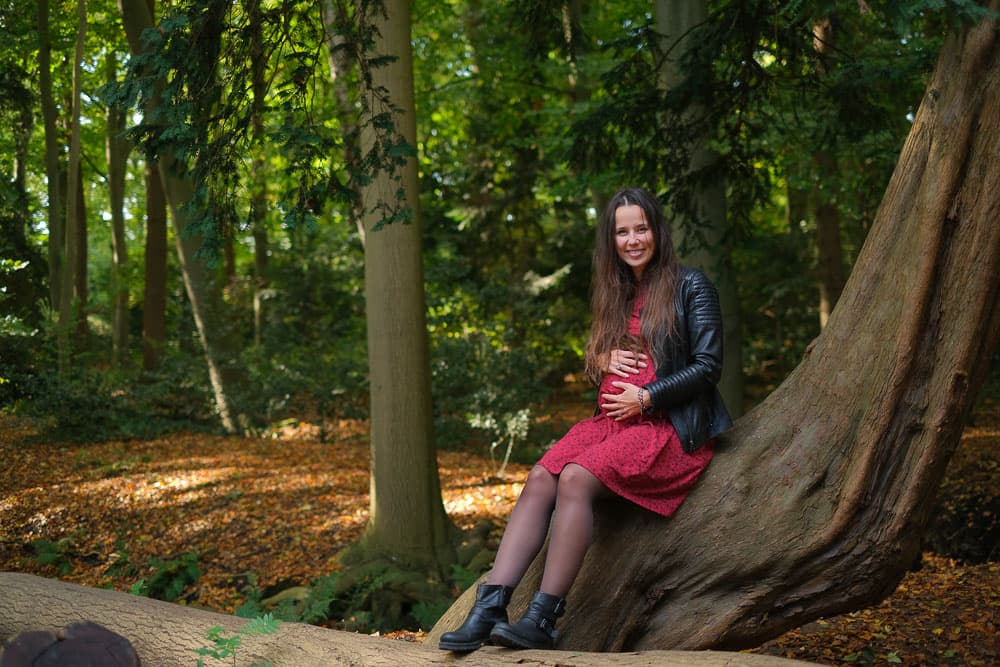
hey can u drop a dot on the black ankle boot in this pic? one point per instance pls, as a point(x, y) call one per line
point(490, 609)
point(536, 629)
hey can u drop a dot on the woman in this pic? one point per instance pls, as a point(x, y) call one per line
point(655, 347)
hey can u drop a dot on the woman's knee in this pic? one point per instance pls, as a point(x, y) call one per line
point(576, 482)
point(541, 485)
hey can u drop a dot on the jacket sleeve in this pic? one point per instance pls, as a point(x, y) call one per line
point(701, 370)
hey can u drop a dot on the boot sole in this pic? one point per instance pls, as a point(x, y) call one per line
point(503, 637)
point(461, 647)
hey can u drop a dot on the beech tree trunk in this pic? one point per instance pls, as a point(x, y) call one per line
point(259, 170)
point(69, 301)
point(117, 150)
point(167, 635)
point(407, 521)
point(341, 61)
point(81, 288)
point(829, 254)
point(154, 293)
point(816, 500)
point(56, 214)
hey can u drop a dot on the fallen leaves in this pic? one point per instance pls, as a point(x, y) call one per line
point(275, 512)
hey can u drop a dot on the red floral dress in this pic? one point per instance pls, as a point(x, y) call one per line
point(639, 458)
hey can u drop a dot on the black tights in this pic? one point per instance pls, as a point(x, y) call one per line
point(571, 496)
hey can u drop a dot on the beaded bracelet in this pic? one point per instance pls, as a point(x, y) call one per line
point(642, 405)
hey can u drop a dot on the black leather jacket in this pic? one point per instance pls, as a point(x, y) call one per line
point(685, 386)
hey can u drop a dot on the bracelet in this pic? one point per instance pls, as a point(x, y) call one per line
point(642, 405)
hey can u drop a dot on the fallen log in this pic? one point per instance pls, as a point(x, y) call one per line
point(167, 635)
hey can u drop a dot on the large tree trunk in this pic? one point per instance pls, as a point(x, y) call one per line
point(711, 253)
point(167, 635)
point(202, 288)
point(408, 521)
point(816, 500)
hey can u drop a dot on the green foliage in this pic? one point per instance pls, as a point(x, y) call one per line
point(18, 346)
point(481, 384)
point(83, 404)
point(223, 646)
point(172, 577)
point(778, 307)
point(462, 577)
point(54, 553)
point(366, 597)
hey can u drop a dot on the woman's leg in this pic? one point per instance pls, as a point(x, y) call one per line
point(572, 531)
point(526, 528)
point(572, 527)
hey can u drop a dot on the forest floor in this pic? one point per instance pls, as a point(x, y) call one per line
point(276, 511)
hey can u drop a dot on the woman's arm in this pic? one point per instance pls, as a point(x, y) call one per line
point(703, 368)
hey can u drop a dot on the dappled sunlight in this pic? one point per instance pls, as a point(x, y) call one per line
point(470, 501)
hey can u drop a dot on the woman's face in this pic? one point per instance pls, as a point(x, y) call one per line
point(634, 238)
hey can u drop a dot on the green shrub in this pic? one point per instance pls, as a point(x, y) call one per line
point(172, 577)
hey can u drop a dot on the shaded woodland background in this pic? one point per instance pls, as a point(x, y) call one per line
point(785, 117)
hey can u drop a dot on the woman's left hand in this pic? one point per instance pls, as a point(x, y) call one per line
point(624, 405)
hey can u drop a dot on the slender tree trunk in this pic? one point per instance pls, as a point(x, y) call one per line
point(68, 305)
point(202, 288)
point(81, 291)
point(829, 252)
point(341, 60)
point(407, 521)
point(56, 214)
point(259, 170)
point(154, 299)
point(117, 150)
point(710, 252)
point(815, 502)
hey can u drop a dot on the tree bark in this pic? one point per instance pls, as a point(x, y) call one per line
point(167, 635)
point(408, 521)
point(258, 193)
point(56, 214)
point(81, 288)
point(69, 306)
point(710, 253)
point(341, 62)
point(154, 297)
point(816, 500)
point(117, 150)
point(829, 253)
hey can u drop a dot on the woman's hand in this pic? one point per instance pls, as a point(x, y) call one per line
point(624, 405)
point(625, 363)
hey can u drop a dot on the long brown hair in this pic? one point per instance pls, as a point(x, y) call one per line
point(614, 285)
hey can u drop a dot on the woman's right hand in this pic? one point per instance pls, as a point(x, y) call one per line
point(625, 363)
